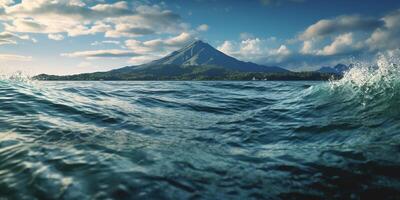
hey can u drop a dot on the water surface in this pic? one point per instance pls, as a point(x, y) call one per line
point(201, 140)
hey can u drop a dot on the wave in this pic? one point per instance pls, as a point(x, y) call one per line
point(16, 77)
point(367, 88)
point(379, 80)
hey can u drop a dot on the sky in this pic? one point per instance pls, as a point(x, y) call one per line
point(77, 36)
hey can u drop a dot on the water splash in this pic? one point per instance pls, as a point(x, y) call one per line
point(16, 77)
point(374, 81)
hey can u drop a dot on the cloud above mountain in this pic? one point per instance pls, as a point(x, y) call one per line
point(256, 50)
point(156, 48)
point(138, 51)
point(159, 45)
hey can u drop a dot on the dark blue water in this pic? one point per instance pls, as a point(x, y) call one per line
point(200, 140)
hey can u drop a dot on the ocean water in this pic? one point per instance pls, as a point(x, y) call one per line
point(202, 140)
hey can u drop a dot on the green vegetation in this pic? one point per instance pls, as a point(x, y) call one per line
point(175, 72)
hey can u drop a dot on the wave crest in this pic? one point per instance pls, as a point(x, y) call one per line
point(381, 77)
point(16, 76)
point(372, 82)
point(368, 89)
point(16, 79)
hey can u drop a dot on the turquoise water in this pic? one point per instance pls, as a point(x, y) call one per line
point(202, 140)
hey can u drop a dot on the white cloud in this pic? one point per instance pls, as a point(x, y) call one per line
point(11, 38)
point(341, 44)
point(387, 37)
point(351, 33)
point(157, 48)
point(57, 37)
point(179, 40)
point(139, 46)
point(119, 6)
point(160, 45)
point(128, 30)
point(282, 51)
point(203, 28)
point(147, 20)
point(339, 25)
point(227, 47)
point(256, 50)
point(109, 53)
point(307, 47)
point(138, 52)
point(14, 57)
point(114, 42)
point(7, 41)
point(251, 46)
point(77, 3)
point(120, 19)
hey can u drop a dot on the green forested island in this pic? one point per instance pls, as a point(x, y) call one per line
point(190, 73)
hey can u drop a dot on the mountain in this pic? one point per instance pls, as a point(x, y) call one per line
point(339, 69)
point(199, 53)
point(196, 61)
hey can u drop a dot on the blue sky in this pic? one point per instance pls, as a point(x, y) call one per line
point(75, 36)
